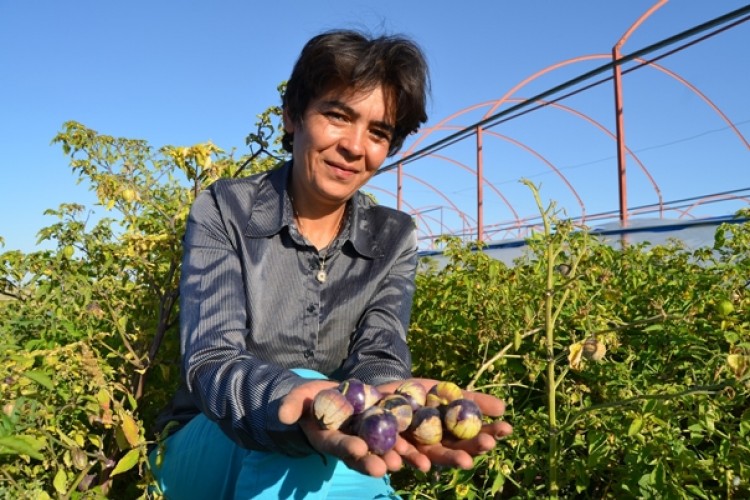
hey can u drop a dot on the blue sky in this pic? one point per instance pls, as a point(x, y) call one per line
point(183, 72)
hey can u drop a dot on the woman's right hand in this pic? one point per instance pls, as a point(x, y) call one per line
point(296, 407)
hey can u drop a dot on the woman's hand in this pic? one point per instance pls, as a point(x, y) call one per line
point(297, 408)
point(352, 450)
point(460, 453)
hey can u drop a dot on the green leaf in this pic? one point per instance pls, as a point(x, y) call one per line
point(653, 328)
point(127, 462)
point(21, 445)
point(497, 484)
point(40, 378)
point(60, 482)
point(696, 492)
point(635, 426)
point(745, 423)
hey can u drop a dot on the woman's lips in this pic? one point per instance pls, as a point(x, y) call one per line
point(341, 171)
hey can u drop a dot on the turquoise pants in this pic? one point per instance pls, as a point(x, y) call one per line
point(200, 463)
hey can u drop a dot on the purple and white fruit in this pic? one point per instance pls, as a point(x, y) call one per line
point(379, 430)
point(414, 392)
point(400, 407)
point(442, 394)
point(360, 395)
point(426, 426)
point(463, 418)
point(331, 409)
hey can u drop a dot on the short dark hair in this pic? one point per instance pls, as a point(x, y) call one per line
point(352, 60)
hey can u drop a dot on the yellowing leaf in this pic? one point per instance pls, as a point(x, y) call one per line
point(129, 428)
point(103, 398)
point(40, 378)
point(96, 441)
point(574, 355)
point(517, 340)
point(127, 462)
point(21, 445)
point(738, 363)
point(60, 482)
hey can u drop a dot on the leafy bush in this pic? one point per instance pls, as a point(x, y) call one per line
point(627, 372)
point(85, 326)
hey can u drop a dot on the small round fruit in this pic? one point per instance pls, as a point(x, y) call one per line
point(463, 418)
point(593, 349)
point(331, 409)
point(360, 395)
point(128, 195)
point(426, 426)
point(563, 269)
point(379, 431)
point(443, 393)
point(68, 251)
point(400, 407)
point(414, 392)
point(724, 308)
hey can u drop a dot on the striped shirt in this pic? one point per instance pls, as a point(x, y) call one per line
point(251, 307)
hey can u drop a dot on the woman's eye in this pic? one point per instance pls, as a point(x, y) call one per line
point(381, 135)
point(333, 115)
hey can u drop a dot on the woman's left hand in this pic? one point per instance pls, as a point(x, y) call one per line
point(452, 452)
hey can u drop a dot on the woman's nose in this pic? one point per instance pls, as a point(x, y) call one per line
point(353, 141)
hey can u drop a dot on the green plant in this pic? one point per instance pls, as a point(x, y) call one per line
point(623, 378)
point(88, 345)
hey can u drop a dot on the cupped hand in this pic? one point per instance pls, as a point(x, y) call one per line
point(460, 453)
point(296, 407)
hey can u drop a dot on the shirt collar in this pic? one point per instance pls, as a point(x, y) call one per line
point(272, 211)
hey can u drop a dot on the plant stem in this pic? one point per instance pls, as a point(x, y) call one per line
point(551, 377)
point(704, 390)
point(549, 326)
point(485, 366)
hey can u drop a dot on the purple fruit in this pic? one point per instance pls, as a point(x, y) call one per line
point(356, 421)
point(331, 409)
point(379, 430)
point(414, 392)
point(426, 426)
point(443, 393)
point(463, 418)
point(400, 407)
point(360, 395)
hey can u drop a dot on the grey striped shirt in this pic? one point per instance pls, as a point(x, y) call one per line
point(251, 307)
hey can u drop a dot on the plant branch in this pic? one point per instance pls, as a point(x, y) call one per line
point(497, 356)
point(693, 391)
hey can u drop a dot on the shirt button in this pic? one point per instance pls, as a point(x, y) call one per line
point(311, 308)
point(308, 353)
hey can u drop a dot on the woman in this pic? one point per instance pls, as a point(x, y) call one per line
point(293, 280)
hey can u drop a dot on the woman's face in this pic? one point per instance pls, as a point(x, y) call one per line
point(340, 142)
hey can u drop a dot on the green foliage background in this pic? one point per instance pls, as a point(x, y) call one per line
point(663, 414)
point(89, 347)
